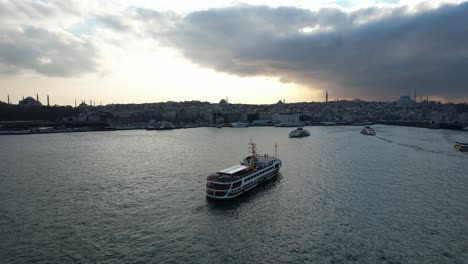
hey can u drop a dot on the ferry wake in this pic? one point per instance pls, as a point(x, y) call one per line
point(236, 180)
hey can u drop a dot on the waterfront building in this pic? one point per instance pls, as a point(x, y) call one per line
point(232, 117)
point(286, 118)
point(169, 115)
point(265, 116)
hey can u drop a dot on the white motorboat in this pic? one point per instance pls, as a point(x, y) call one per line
point(299, 133)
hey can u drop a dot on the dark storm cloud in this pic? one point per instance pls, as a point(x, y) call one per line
point(32, 38)
point(373, 52)
point(49, 53)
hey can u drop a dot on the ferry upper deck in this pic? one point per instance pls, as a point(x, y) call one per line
point(239, 171)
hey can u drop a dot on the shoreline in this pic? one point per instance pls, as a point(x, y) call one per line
point(35, 131)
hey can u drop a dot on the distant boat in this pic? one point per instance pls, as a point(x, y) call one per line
point(239, 124)
point(16, 132)
point(236, 180)
point(368, 131)
point(299, 133)
point(463, 147)
point(163, 125)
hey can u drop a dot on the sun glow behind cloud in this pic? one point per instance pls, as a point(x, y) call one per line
point(161, 74)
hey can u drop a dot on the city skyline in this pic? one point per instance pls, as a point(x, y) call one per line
point(412, 95)
point(254, 52)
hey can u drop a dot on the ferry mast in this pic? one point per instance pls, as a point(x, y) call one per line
point(276, 150)
point(253, 149)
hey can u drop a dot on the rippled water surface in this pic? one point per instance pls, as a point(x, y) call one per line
point(138, 197)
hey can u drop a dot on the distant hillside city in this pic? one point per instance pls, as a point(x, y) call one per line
point(30, 112)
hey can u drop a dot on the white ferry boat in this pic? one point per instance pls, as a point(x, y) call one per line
point(239, 125)
point(368, 131)
point(236, 180)
point(299, 132)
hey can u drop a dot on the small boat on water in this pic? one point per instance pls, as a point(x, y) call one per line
point(463, 147)
point(239, 125)
point(368, 131)
point(163, 125)
point(289, 124)
point(236, 180)
point(299, 133)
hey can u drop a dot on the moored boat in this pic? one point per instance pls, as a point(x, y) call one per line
point(463, 147)
point(236, 180)
point(289, 124)
point(368, 131)
point(299, 133)
point(163, 125)
point(239, 125)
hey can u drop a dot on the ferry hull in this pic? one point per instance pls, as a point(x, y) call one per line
point(368, 133)
point(463, 147)
point(298, 136)
point(231, 195)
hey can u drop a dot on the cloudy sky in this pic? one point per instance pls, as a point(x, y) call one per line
point(256, 51)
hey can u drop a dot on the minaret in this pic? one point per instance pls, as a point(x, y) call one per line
point(326, 97)
point(37, 97)
point(8, 98)
point(48, 100)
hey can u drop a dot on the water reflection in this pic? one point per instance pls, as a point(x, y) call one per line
point(139, 196)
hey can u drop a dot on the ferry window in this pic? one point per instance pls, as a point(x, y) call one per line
point(221, 186)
